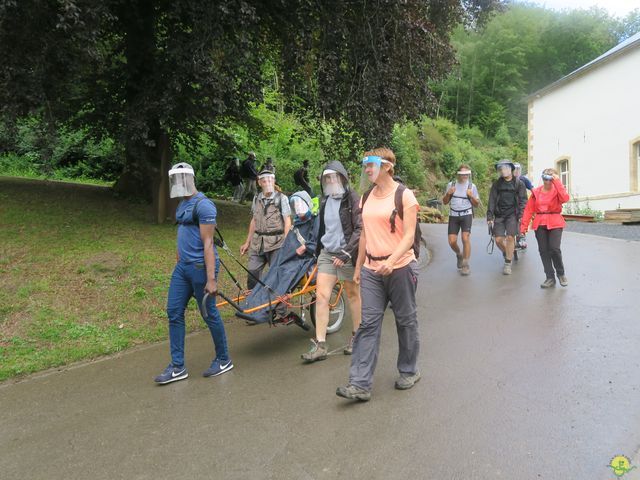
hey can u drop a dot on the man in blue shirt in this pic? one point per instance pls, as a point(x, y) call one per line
point(194, 275)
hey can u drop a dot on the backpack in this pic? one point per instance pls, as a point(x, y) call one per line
point(515, 181)
point(399, 211)
point(469, 187)
point(195, 220)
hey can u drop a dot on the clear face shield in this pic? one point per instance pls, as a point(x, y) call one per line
point(371, 167)
point(300, 208)
point(463, 177)
point(505, 171)
point(181, 181)
point(267, 182)
point(517, 171)
point(332, 184)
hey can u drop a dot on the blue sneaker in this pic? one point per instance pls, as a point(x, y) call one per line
point(171, 374)
point(218, 368)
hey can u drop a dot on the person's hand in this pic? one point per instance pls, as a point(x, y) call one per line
point(356, 275)
point(244, 248)
point(451, 191)
point(337, 262)
point(211, 287)
point(490, 223)
point(300, 250)
point(555, 177)
point(385, 268)
point(469, 193)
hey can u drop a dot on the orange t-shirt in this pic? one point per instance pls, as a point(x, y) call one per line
point(377, 229)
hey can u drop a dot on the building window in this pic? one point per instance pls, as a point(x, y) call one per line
point(634, 165)
point(563, 170)
point(636, 150)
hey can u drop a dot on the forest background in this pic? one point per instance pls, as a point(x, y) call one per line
point(478, 113)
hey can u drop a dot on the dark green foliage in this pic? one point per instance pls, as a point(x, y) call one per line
point(150, 74)
point(517, 53)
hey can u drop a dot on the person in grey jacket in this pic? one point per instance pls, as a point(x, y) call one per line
point(337, 251)
point(507, 200)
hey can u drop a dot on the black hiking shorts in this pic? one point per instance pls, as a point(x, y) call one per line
point(462, 222)
point(505, 226)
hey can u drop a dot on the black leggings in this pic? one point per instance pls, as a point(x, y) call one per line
point(549, 248)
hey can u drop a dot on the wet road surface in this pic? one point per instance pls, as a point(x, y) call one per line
point(518, 383)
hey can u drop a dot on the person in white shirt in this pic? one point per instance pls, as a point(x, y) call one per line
point(461, 196)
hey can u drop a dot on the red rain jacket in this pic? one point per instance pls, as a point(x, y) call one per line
point(552, 215)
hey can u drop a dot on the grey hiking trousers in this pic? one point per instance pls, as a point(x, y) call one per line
point(376, 292)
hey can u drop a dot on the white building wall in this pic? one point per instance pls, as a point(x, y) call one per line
point(591, 120)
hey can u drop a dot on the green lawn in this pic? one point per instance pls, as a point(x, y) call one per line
point(84, 274)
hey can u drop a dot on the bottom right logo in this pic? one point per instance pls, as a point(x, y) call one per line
point(621, 465)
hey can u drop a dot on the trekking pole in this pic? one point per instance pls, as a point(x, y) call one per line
point(492, 241)
point(222, 244)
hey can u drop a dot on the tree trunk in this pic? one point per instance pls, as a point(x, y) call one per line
point(147, 145)
point(163, 206)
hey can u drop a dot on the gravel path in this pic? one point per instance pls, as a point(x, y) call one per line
point(612, 230)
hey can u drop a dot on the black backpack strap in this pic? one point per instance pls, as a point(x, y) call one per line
point(195, 218)
point(399, 208)
point(365, 195)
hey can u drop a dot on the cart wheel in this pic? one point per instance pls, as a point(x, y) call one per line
point(336, 314)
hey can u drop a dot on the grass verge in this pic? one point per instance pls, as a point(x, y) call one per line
point(84, 274)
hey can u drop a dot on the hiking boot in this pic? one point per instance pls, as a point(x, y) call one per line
point(218, 368)
point(354, 393)
point(318, 352)
point(563, 280)
point(171, 374)
point(465, 268)
point(506, 270)
point(459, 261)
point(548, 283)
point(406, 380)
point(348, 350)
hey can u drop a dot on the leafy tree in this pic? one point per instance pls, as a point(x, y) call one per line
point(148, 73)
point(516, 53)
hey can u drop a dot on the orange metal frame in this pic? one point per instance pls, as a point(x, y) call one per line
point(307, 287)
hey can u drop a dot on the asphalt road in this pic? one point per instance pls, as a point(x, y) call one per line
point(518, 383)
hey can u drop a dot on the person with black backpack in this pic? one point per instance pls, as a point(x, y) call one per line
point(386, 270)
point(461, 196)
point(301, 178)
point(195, 274)
point(340, 225)
point(507, 200)
point(232, 176)
point(249, 174)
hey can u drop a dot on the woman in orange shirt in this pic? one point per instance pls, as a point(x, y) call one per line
point(386, 271)
point(545, 206)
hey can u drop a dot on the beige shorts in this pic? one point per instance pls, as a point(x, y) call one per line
point(325, 265)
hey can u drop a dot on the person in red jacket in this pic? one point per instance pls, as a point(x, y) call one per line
point(545, 206)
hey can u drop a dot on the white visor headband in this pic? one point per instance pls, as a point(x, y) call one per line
point(266, 175)
point(186, 170)
point(464, 172)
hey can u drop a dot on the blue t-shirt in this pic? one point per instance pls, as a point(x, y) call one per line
point(190, 247)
